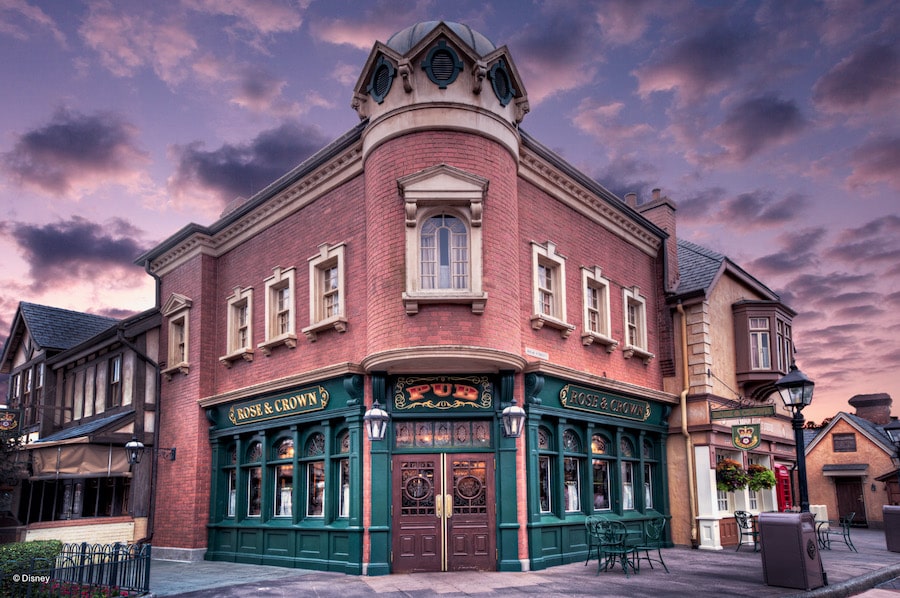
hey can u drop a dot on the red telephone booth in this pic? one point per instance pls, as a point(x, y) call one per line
point(783, 488)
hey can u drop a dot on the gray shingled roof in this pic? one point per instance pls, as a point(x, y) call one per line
point(55, 328)
point(86, 429)
point(697, 266)
point(874, 430)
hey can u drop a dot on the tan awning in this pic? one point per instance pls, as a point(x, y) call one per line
point(845, 470)
point(78, 460)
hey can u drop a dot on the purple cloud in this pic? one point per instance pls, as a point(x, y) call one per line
point(866, 77)
point(876, 160)
point(240, 170)
point(76, 249)
point(74, 150)
point(758, 123)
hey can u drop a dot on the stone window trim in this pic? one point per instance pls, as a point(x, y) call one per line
point(443, 189)
point(546, 255)
point(177, 310)
point(241, 297)
point(637, 349)
point(329, 256)
point(593, 278)
point(281, 278)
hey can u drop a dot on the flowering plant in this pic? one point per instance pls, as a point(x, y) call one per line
point(761, 477)
point(730, 476)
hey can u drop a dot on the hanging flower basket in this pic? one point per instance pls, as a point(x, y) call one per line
point(761, 477)
point(730, 476)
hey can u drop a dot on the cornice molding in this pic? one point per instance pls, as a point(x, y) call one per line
point(557, 184)
point(600, 382)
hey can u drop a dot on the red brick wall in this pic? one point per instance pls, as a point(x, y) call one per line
point(389, 325)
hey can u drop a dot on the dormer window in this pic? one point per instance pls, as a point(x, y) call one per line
point(442, 65)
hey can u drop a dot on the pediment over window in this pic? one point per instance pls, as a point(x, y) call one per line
point(175, 302)
point(444, 185)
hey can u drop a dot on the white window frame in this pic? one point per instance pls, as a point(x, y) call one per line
point(545, 256)
point(177, 311)
point(760, 343)
point(638, 348)
point(592, 281)
point(281, 279)
point(437, 190)
point(329, 256)
point(241, 298)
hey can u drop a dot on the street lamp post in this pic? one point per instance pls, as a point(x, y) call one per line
point(893, 431)
point(796, 392)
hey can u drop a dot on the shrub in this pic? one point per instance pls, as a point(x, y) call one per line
point(17, 559)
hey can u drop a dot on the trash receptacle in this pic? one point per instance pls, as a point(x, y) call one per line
point(891, 527)
point(790, 551)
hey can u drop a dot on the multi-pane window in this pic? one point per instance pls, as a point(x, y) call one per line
point(283, 477)
point(572, 471)
point(601, 458)
point(114, 379)
point(549, 277)
point(240, 325)
point(315, 475)
point(759, 344)
point(343, 471)
point(230, 471)
point(280, 310)
point(443, 207)
point(253, 472)
point(327, 296)
point(626, 451)
point(648, 455)
point(444, 253)
point(545, 470)
point(784, 344)
point(596, 307)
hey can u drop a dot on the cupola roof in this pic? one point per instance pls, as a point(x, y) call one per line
point(403, 41)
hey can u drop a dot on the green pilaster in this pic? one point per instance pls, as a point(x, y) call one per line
point(507, 476)
point(380, 527)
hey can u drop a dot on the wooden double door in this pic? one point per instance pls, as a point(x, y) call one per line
point(444, 512)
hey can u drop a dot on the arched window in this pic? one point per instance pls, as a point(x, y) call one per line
point(628, 459)
point(573, 456)
point(546, 464)
point(253, 468)
point(283, 476)
point(314, 455)
point(231, 480)
point(444, 258)
point(601, 455)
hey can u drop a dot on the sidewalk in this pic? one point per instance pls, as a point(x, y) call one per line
point(693, 572)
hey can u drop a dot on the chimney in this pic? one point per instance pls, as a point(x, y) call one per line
point(631, 199)
point(660, 210)
point(875, 408)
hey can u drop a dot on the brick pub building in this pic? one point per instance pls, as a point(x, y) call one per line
point(436, 260)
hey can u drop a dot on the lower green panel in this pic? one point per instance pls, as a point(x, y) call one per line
point(320, 549)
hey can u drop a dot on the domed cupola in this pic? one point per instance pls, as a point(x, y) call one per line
point(440, 75)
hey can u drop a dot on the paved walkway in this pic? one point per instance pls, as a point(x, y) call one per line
point(873, 573)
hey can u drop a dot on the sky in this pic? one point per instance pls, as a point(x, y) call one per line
point(772, 125)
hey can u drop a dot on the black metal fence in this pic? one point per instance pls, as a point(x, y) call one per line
point(85, 571)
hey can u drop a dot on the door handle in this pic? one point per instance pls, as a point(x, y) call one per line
point(448, 505)
point(439, 506)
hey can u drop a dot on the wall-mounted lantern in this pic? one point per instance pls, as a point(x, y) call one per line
point(134, 449)
point(376, 420)
point(513, 420)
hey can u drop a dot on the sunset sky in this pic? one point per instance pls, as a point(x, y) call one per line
point(773, 125)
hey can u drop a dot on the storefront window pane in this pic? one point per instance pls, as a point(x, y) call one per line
point(573, 484)
point(284, 490)
point(601, 485)
point(648, 486)
point(231, 493)
point(315, 489)
point(254, 501)
point(344, 506)
point(544, 472)
point(627, 486)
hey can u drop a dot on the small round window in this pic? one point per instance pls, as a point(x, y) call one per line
point(382, 78)
point(501, 83)
point(442, 65)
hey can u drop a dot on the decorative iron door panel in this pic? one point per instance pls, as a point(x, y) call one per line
point(444, 513)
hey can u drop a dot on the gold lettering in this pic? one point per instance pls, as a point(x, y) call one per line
point(267, 408)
